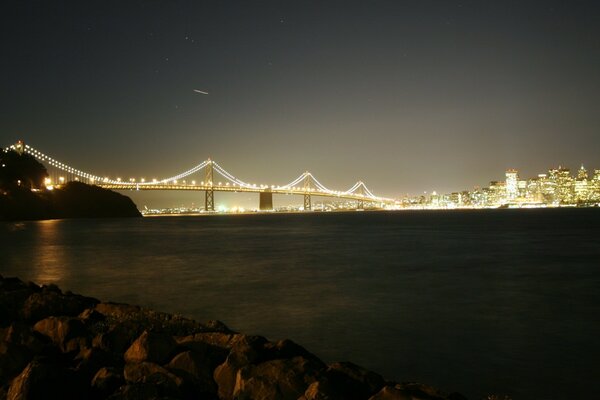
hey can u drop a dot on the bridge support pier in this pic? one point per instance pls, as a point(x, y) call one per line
point(360, 205)
point(307, 203)
point(265, 201)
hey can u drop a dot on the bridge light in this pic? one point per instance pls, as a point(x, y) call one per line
point(193, 182)
point(61, 179)
point(47, 182)
point(143, 180)
point(202, 183)
point(175, 181)
point(154, 180)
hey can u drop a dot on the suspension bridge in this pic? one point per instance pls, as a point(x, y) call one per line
point(201, 177)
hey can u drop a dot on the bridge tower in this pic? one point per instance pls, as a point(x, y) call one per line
point(307, 200)
point(20, 147)
point(361, 191)
point(209, 199)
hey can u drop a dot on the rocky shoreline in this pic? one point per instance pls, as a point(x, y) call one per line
point(67, 346)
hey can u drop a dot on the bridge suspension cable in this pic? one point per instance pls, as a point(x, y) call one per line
point(359, 189)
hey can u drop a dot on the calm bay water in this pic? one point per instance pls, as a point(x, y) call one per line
point(480, 302)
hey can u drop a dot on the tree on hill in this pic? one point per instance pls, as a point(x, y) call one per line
point(20, 170)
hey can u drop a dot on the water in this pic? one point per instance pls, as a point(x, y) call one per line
point(503, 301)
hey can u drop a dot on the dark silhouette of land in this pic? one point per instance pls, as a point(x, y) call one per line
point(23, 195)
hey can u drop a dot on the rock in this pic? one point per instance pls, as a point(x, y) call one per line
point(91, 316)
point(390, 393)
point(21, 334)
point(195, 369)
point(276, 379)
point(244, 351)
point(69, 334)
point(212, 347)
point(217, 339)
point(153, 347)
point(13, 358)
point(287, 349)
point(345, 381)
point(323, 390)
point(136, 391)
point(106, 381)
point(45, 381)
point(356, 382)
point(151, 373)
point(51, 302)
point(90, 360)
point(409, 391)
point(116, 310)
point(117, 338)
point(13, 294)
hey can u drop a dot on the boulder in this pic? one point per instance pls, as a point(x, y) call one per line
point(194, 369)
point(13, 358)
point(276, 379)
point(46, 381)
point(245, 350)
point(287, 349)
point(21, 334)
point(51, 302)
point(118, 337)
point(90, 316)
point(13, 294)
point(116, 310)
point(136, 391)
point(217, 339)
point(409, 391)
point(150, 373)
point(212, 347)
point(153, 347)
point(91, 359)
point(354, 381)
point(69, 334)
point(390, 393)
point(323, 390)
point(106, 381)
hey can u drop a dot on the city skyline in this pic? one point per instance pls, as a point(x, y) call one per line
point(400, 95)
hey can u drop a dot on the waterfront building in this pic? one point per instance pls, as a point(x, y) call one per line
point(512, 188)
point(497, 193)
point(595, 186)
point(581, 188)
point(565, 193)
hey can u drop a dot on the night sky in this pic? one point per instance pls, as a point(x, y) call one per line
point(409, 96)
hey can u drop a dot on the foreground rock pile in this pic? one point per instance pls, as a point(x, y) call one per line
point(66, 346)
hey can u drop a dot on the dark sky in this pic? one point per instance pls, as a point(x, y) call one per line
point(408, 96)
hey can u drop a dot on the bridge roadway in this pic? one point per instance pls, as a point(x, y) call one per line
point(361, 199)
point(305, 185)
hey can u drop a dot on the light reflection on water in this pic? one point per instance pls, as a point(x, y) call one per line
point(478, 302)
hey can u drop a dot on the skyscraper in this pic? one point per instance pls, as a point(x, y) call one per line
point(512, 184)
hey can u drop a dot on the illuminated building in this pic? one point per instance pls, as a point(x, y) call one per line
point(581, 185)
point(496, 194)
point(564, 186)
point(512, 188)
point(595, 186)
